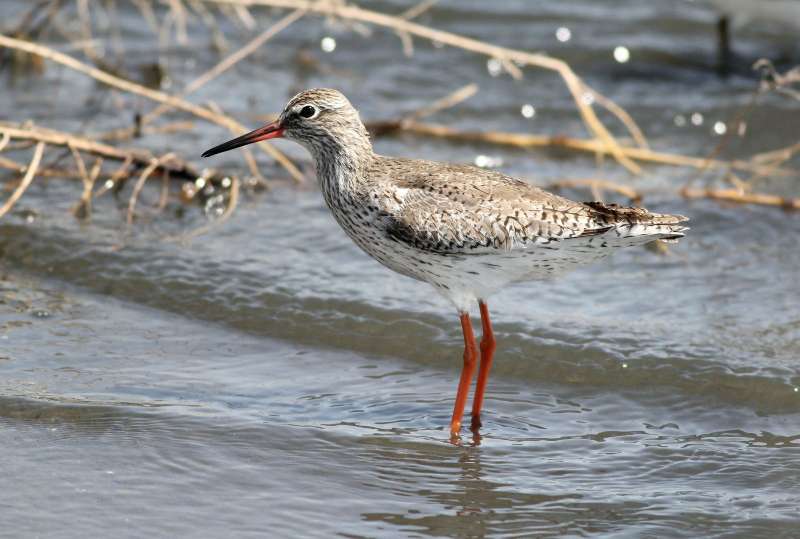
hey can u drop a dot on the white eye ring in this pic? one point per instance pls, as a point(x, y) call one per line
point(308, 112)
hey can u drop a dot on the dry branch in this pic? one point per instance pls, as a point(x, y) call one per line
point(233, 201)
point(526, 141)
point(509, 57)
point(227, 63)
point(26, 180)
point(137, 188)
point(161, 97)
point(140, 157)
point(742, 197)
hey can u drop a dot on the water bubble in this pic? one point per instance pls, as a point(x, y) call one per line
point(527, 110)
point(215, 206)
point(437, 44)
point(328, 44)
point(696, 118)
point(720, 128)
point(563, 34)
point(680, 120)
point(494, 66)
point(587, 98)
point(188, 191)
point(226, 182)
point(624, 365)
point(797, 390)
point(109, 184)
point(30, 217)
point(622, 54)
point(41, 313)
point(200, 183)
point(488, 161)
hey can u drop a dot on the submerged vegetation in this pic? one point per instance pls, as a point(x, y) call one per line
point(122, 160)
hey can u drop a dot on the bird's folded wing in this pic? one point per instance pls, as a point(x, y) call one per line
point(464, 209)
point(458, 213)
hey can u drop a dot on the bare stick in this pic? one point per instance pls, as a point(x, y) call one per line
point(735, 195)
point(522, 140)
point(10, 164)
point(233, 201)
point(176, 166)
point(121, 172)
point(137, 188)
point(154, 95)
point(574, 84)
point(227, 63)
point(450, 100)
point(623, 117)
point(419, 9)
point(26, 180)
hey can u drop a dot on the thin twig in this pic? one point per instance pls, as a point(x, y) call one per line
point(26, 180)
point(523, 140)
point(154, 95)
point(740, 197)
point(233, 201)
point(137, 188)
point(52, 137)
point(227, 63)
point(448, 101)
point(121, 172)
point(574, 84)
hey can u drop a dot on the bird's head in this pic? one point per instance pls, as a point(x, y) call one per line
point(321, 119)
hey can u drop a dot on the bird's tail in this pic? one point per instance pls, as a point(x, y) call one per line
point(631, 222)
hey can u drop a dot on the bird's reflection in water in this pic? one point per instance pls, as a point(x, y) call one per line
point(462, 483)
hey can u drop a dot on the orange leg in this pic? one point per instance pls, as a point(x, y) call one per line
point(470, 358)
point(487, 354)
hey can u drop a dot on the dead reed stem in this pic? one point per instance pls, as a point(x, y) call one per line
point(742, 197)
point(137, 188)
point(526, 141)
point(26, 180)
point(510, 58)
point(233, 201)
point(58, 138)
point(154, 95)
point(227, 63)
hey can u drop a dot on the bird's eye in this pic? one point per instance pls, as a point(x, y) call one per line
point(309, 111)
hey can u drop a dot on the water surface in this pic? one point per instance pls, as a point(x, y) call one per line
point(268, 379)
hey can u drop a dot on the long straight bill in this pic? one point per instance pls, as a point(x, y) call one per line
point(273, 130)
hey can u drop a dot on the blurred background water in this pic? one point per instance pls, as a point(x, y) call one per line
point(269, 379)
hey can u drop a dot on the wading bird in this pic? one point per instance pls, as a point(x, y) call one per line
point(467, 231)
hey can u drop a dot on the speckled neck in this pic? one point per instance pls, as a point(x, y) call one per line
point(342, 159)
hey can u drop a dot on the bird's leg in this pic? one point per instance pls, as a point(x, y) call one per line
point(470, 358)
point(487, 354)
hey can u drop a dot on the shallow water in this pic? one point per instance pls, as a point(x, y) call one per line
point(270, 380)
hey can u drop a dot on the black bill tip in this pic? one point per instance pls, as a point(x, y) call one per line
point(273, 130)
